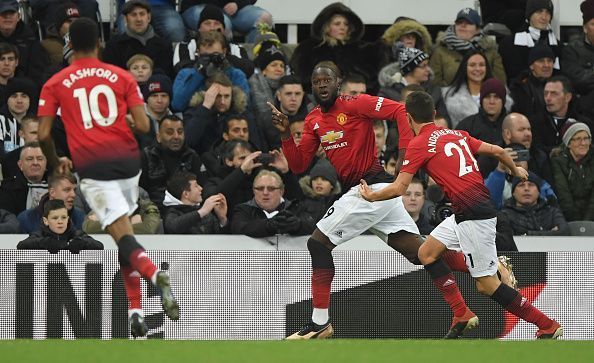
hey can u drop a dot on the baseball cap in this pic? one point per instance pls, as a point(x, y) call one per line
point(9, 5)
point(470, 15)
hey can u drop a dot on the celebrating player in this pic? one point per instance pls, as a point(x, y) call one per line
point(93, 97)
point(344, 127)
point(447, 155)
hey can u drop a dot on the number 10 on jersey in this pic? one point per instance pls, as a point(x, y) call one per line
point(89, 105)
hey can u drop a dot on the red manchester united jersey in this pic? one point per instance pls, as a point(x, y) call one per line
point(346, 134)
point(92, 98)
point(448, 157)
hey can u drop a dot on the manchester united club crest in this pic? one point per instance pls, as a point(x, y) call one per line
point(341, 119)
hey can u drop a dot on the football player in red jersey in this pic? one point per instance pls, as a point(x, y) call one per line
point(343, 125)
point(448, 157)
point(93, 98)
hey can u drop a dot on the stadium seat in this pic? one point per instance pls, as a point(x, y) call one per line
point(581, 228)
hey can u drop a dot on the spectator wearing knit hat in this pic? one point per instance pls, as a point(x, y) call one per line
point(21, 95)
point(271, 63)
point(573, 170)
point(211, 19)
point(463, 36)
point(139, 36)
point(63, 16)
point(239, 16)
point(531, 215)
point(157, 97)
point(515, 48)
point(578, 58)
point(486, 124)
point(320, 189)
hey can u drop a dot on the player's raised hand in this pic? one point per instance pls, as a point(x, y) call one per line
point(365, 191)
point(65, 165)
point(280, 121)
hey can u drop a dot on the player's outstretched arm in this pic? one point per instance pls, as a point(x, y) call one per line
point(280, 121)
point(500, 154)
point(395, 189)
point(141, 121)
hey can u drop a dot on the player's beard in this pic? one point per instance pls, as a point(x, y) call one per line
point(328, 102)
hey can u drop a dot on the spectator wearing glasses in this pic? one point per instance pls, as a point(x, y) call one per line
point(268, 213)
point(573, 170)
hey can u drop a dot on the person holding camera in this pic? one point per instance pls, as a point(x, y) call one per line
point(268, 213)
point(212, 50)
point(499, 181)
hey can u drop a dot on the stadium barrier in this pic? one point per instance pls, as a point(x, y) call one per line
point(266, 295)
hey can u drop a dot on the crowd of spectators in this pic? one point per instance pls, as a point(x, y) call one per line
point(211, 162)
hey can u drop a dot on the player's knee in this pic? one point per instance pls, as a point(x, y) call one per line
point(425, 255)
point(321, 256)
point(487, 285)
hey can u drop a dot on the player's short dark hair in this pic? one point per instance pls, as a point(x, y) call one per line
point(84, 35)
point(180, 182)
point(419, 105)
point(6, 48)
point(567, 86)
point(51, 205)
point(229, 148)
point(172, 117)
point(288, 79)
point(234, 116)
point(55, 178)
point(330, 65)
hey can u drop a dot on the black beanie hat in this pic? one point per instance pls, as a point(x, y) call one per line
point(532, 6)
point(211, 12)
point(269, 53)
point(540, 51)
point(324, 169)
point(21, 84)
point(531, 178)
point(587, 8)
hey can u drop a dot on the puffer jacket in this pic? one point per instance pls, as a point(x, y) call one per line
point(575, 185)
point(313, 207)
point(74, 240)
point(407, 26)
point(536, 220)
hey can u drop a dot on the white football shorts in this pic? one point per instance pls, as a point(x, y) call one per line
point(111, 199)
point(475, 238)
point(351, 215)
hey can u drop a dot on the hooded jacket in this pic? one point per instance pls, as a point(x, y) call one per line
point(407, 26)
point(180, 218)
point(352, 56)
point(313, 207)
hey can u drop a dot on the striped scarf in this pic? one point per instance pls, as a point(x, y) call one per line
point(452, 42)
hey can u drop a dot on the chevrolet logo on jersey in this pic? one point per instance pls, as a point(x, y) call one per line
point(331, 137)
point(341, 119)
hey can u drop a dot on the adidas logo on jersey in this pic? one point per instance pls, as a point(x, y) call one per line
point(523, 301)
point(338, 233)
point(449, 282)
point(316, 126)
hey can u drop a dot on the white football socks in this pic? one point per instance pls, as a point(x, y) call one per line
point(320, 316)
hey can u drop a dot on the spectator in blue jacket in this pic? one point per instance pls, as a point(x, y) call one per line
point(212, 48)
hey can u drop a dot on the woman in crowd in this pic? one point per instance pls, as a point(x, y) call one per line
point(462, 97)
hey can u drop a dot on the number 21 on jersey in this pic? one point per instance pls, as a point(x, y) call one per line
point(464, 169)
point(89, 105)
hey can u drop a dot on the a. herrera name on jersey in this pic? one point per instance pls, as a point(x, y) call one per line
point(435, 135)
point(89, 72)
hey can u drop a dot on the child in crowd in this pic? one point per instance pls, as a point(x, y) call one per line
point(141, 68)
point(57, 233)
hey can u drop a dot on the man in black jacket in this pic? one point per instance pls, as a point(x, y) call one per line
point(486, 124)
point(139, 37)
point(268, 213)
point(531, 215)
point(168, 156)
